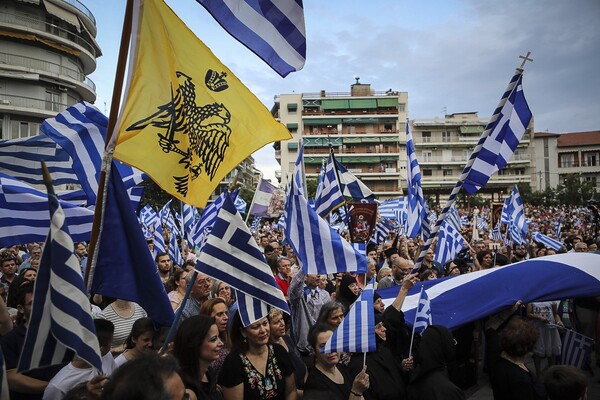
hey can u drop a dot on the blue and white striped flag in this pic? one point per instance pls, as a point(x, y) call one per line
point(148, 216)
point(329, 193)
point(230, 254)
point(516, 215)
point(356, 333)
point(159, 239)
point(547, 241)
point(497, 233)
point(240, 204)
point(506, 128)
point(575, 349)
point(175, 251)
point(486, 292)
point(454, 218)
point(481, 223)
point(351, 186)
point(450, 243)
point(24, 215)
point(61, 322)
point(273, 30)
point(382, 230)
point(387, 209)
point(255, 225)
point(416, 202)
point(423, 316)
point(318, 247)
point(558, 227)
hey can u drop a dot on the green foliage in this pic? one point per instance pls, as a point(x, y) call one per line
point(153, 195)
point(573, 190)
point(311, 187)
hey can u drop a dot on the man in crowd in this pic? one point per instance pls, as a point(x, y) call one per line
point(34, 254)
point(284, 276)
point(400, 268)
point(199, 294)
point(8, 267)
point(165, 268)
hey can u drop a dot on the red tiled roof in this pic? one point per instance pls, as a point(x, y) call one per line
point(544, 134)
point(579, 139)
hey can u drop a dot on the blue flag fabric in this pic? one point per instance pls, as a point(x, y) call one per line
point(61, 322)
point(329, 193)
point(356, 333)
point(450, 243)
point(230, 254)
point(506, 128)
point(424, 318)
point(417, 214)
point(125, 268)
point(547, 241)
point(273, 30)
point(482, 293)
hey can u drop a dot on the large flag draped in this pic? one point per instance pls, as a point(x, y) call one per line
point(230, 254)
point(61, 322)
point(273, 30)
point(187, 121)
point(318, 247)
point(417, 215)
point(356, 333)
point(124, 268)
point(506, 130)
point(482, 293)
point(329, 193)
point(24, 215)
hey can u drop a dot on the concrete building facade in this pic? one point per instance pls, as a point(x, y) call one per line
point(47, 50)
point(365, 128)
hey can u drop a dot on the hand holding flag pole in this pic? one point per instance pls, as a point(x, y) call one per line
point(516, 79)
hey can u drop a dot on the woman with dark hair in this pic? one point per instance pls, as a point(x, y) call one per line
point(197, 345)
point(217, 309)
point(278, 336)
point(180, 285)
point(506, 350)
point(485, 259)
point(255, 368)
point(348, 291)
point(429, 379)
point(331, 313)
point(222, 290)
point(329, 379)
point(140, 340)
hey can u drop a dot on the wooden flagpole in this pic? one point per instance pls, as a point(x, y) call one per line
point(107, 159)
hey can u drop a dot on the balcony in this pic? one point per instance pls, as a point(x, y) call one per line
point(78, 5)
point(30, 25)
point(28, 105)
point(30, 64)
point(577, 167)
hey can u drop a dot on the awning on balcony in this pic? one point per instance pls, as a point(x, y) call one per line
point(334, 104)
point(63, 14)
point(363, 103)
point(322, 121)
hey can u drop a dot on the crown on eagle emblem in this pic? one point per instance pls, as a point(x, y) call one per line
point(215, 81)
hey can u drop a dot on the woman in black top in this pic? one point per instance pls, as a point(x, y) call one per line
point(255, 368)
point(329, 379)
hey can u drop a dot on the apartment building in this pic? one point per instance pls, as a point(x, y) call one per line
point(365, 128)
point(47, 50)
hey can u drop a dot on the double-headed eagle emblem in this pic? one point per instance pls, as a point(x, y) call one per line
point(205, 126)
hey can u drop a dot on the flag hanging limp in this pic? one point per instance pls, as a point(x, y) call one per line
point(187, 120)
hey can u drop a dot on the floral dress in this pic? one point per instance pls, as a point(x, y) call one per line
point(238, 369)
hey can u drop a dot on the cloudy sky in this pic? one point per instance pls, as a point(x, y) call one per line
point(449, 55)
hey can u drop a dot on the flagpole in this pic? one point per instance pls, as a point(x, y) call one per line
point(253, 198)
point(412, 336)
point(337, 176)
point(458, 186)
point(112, 121)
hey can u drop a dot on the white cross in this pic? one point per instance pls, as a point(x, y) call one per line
point(525, 59)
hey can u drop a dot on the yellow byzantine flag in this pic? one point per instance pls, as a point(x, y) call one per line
point(186, 120)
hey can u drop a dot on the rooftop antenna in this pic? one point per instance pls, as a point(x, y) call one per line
point(357, 79)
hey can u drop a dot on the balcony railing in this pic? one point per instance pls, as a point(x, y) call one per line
point(42, 25)
point(46, 66)
point(78, 5)
point(573, 164)
point(32, 103)
point(334, 131)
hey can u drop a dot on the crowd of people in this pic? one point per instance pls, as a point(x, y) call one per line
point(213, 356)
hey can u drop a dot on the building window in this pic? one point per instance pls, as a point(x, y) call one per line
point(388, 127)
point(447, 172)
point(591, 160)
point(426, 156)
point(351, 129)
point(23, 129)
point(446, 137)
point(427, 172)
point(426, 137)
point(567, 160)
point(52, 101)
point(401, 107)
point(591, 179)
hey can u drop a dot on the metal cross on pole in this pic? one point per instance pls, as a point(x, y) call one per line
point(525, 59)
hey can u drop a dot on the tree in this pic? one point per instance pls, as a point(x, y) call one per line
point(572, 190)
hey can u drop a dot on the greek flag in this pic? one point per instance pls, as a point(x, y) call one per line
point(318, 247)
point(190, 218)
point(481, 223)
point(240, 204)
point(356, 333)
point(159, 239)
point(423, 316)
point(575, 349)
point(388, 208)
point(416, 202)
point(450, 243)
point(506, 128)
point(482, 293)
point(231, 255)
point(207, 220)
point(516, 215)
point(20, 158)
point(61, 322)
point(497, 233)
point(273, 30)
point(255, 225)
point(148, 216)
point(351, 186)
point(81, 131)
point(24, 215)
point(329, 194)
point(547, 241)
point(454, 219)
point(558, 227)
point(382, 230)
point(174, 251)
